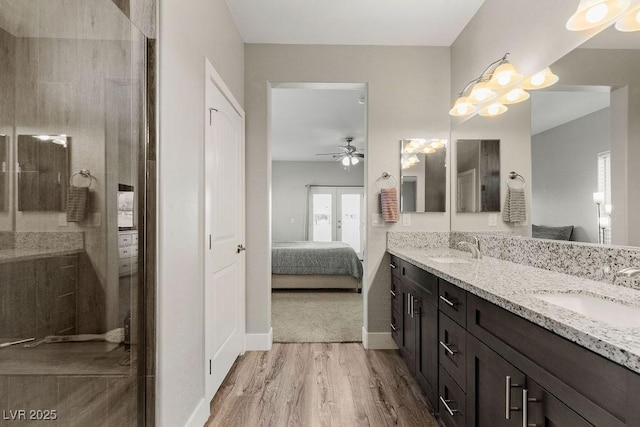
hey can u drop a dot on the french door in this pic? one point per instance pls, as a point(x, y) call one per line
point(337, 214)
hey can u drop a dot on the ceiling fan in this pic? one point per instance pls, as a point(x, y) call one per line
point(350, 155)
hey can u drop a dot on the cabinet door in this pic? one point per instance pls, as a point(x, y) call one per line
point(408, 350)
point(426, 316)
point(545, 410)
point(494, 388)
point(397, 307)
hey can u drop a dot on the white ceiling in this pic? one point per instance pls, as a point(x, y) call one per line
point(305, 122)
point(353, 22)
point(611, 38)
point(553, 108)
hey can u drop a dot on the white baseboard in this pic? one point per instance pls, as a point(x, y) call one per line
point(258, 342)
point(378, 340)
point(200, 416)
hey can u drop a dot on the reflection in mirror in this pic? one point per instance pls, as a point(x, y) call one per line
point(478, 180)
point(3, 173)
point(43, 172)
point(423, 175)
point(585, 145)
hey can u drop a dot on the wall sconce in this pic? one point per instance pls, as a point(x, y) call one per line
point(594, 13)
point(499, 80)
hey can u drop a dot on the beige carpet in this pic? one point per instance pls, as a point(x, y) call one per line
point(316, 316)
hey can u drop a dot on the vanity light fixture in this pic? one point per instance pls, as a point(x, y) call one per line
point(544, 78)
point(599, 13)
point(501, 80)
point(630, 21)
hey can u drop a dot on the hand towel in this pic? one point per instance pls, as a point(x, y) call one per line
point(77, 198)
point(389, 204)
point(515, 208)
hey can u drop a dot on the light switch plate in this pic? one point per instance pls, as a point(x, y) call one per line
point(406, 220)
point(376, 220)
point(293, 220)
point(95, 219)
point(493, 220)
point(62, 220)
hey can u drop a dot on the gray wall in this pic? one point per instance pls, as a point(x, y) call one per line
point(289, 192)
point(565, 173)
point(408, 96)
point(189, 32)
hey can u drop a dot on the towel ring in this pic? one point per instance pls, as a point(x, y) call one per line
point(85, 173)
point(513, 176)
point(385, 176)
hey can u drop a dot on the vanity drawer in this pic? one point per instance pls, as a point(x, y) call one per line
point(452, 301)
point(452, 342)
point(127, 266)
point(427, 282)
point(395, 265)
point(396, 295)
point(451, 401)
point(127, 252)
point(125, 240)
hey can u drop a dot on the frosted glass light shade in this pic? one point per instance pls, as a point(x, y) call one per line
point(462, 107)
point(598, 197)
point(630, 21)
point(437, 143)
point(514, 96)
point(493, 110)
point(481, 93)
point(506, 75)
point(544, 78)
point(594, 13)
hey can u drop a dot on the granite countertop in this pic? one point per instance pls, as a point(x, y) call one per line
point(514, 286)
point(13, 255)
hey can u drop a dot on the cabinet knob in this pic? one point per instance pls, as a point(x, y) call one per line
point(393, 327)
point(393, 294)
point(448, 349)
point(507, 397)
point(447, 301)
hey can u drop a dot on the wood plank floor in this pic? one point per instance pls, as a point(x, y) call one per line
point(320, 384)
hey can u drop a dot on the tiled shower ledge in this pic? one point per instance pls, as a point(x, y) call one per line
point(513, 287)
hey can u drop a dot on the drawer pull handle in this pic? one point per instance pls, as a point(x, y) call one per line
point(507, 398)
point(392, 265)
point(393, 293)
point(525, 408)
point(393, 327)
point(446, 301)
point(447, 407)
point(448, 349)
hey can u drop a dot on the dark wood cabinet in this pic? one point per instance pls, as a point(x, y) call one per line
point(414, 317)
point(426, 363)
point(481, 365)
point(493, 386)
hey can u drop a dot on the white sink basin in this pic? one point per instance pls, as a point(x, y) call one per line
point(611, 312)
point(449, 260)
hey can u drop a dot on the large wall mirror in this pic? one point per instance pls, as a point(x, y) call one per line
point(43, 172)
point(423, 175)
point(478, 175)
point(585, 145)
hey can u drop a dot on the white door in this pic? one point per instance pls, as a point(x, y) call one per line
point(224, 228)
point(467, 191)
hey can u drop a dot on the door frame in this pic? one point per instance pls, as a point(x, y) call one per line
point(212, 75)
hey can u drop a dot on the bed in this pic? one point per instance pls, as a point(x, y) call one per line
point(315, 265)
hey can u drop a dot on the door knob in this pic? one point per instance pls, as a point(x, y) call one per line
point(241, 248)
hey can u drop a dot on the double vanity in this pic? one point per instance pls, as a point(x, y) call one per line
point(495, 343)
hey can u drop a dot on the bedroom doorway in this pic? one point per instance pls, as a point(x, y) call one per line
point(318, 161)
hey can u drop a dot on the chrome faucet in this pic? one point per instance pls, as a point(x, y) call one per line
point(474, 248)
point(629, 272)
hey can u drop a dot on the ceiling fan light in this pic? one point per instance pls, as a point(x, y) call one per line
point(345, 161)
point(428, 150)
point(504, 76)
point(514, 96)
point(462, 107)
point(593, 13)
point(437, 143)
point(481, 93)
point(630, 21)
point(544, 78)
point(493, 110)
point(354, 161)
